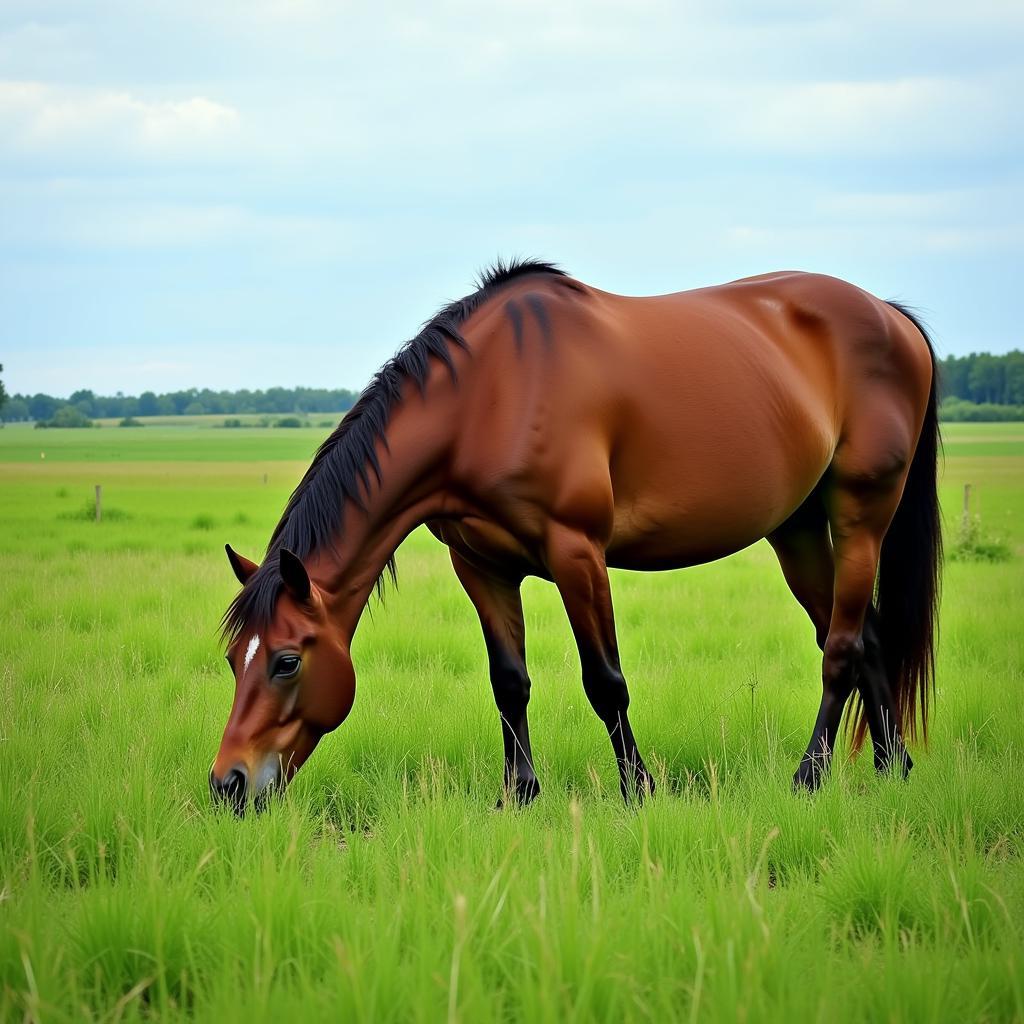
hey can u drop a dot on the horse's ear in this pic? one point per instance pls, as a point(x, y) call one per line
point(295, 577)
point(240, 565)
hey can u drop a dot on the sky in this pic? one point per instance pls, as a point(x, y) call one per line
point(261, 193)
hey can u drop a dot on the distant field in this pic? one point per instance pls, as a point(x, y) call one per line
point(385, 887)
point(216, 420)
point(195, 442)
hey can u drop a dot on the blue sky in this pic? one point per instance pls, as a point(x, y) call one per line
point(270, 192)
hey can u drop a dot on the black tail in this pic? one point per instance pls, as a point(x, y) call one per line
point(907, 592)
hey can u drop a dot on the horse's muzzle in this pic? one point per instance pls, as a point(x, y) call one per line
point(235, 790)
point(232, 790)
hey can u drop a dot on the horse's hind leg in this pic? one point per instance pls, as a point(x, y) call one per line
point(804, 548)
point(805, 553)
point(578, 568)
point(860, 507)
point(500, 607)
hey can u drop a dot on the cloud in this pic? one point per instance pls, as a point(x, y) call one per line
point(905, 116)
point(70, 216)
point(255, 171)
point(47, 120)
point(899, 239)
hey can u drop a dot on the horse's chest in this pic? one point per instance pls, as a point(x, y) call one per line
point(487, 544)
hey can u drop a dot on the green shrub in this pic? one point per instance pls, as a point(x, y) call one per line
point(131, 421)
point(66, 416)
point(972, 544)
point(87, 512)
point(959, 410)
point(289, 421)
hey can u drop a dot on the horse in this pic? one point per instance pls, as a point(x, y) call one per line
point(541, 426)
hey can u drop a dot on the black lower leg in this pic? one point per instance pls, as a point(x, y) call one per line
point(500, 608)
point(578, 567)
point(608, 695)
point(840, 668)
point(511, 686)
point(879, 707)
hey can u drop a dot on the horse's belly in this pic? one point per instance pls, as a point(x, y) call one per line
point(682, 505)
point(672, 539)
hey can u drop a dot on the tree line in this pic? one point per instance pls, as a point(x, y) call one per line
point(984, 378)
point(190, 402)
point(976, 386)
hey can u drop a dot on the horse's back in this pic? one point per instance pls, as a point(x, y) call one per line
point(677, 428)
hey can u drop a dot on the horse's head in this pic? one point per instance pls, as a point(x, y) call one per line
point(294, 682)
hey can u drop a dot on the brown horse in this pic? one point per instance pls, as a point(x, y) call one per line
point(543, 427)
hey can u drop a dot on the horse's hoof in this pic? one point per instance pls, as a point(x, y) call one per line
point(898, 765)
point(639, 787)
point(808, 777)
point(523, 792)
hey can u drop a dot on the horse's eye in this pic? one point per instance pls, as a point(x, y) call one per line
point(286, 666)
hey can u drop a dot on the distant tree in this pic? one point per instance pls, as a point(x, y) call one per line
point(3, 393)
point(953, 376)
point(182, 400)
point(211, 401)
point(148, 404)
point(279, 400)
point(1014, 378)
point(194, 409)
point(85, 400)
point(16, 409)
point(985, 379)
point(42, 407)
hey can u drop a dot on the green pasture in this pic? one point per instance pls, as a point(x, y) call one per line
point(194, 442)
point(385, 886)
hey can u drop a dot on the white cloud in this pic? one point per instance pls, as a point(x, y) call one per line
point(894, 238)
point(41, 119)
point(937, 114)
point(103, 224)
point(271, 159)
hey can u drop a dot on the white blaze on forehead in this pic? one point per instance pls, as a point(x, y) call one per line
point(250, 652)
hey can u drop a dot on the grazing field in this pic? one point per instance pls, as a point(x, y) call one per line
point(385, 887)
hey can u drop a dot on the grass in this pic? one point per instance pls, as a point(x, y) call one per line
point(159, 444)
point(385, 887)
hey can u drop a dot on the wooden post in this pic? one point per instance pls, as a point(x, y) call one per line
point(99, 502)
point(965, 519)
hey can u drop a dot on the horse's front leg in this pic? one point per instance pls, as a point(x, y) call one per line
point(578, 568)
point(500, 607)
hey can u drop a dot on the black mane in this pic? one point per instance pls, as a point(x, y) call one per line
point(340, 470)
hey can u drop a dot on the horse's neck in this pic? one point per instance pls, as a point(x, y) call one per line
point(408, 493)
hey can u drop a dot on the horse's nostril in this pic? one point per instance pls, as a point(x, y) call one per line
point(231, 789)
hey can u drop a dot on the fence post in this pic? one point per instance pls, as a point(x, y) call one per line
point(99, 502)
